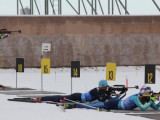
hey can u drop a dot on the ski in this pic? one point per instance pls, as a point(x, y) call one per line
point(31, 100)
point(58, 104)
point(8, 88)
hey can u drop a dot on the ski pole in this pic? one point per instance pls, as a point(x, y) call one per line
point(65, 99)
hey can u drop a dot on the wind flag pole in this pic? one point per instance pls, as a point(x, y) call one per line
point(45, 62)
point(126, 82)
point(19, 66)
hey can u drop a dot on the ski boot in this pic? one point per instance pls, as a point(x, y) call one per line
point(69, 106)
point(37, 99)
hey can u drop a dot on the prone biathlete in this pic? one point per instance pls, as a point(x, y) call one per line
point(98, 93)
point(141, 100)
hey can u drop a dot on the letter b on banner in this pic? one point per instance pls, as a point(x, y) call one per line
point(19, 65)
point(111, 71)
point(75, 68)
point(45, 66)
point(150, 74)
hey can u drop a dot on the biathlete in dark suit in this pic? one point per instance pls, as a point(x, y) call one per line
point(98, 93)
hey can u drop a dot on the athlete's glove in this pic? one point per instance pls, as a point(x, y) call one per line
point(102, 99)
point(153, 98)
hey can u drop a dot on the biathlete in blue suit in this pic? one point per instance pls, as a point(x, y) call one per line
point(141, 100)
point(98, 93)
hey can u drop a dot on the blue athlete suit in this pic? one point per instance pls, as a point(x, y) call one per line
point(127, 104)
point(91, 95)
point(94, 94)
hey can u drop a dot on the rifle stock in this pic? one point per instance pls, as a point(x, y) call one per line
point(155, 94)
point(121, 89)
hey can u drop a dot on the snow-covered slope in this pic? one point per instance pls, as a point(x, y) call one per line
point(60, 80)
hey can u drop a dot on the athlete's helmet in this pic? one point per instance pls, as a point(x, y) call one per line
point(145, 89)
point(103, 83)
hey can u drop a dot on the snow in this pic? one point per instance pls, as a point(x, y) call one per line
point(60, 81)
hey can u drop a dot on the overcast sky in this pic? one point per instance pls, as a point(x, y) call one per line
point(135, 7)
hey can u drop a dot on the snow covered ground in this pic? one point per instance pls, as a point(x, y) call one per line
point(59, 80)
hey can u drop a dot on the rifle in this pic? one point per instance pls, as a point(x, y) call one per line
point(154, 94)
point(121, 89)
point(5, 31)
point(146, 98)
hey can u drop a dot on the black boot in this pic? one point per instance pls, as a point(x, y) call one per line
point(69, 106)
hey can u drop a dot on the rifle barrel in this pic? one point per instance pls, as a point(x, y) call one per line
point(134, 87)
point(8, 32)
